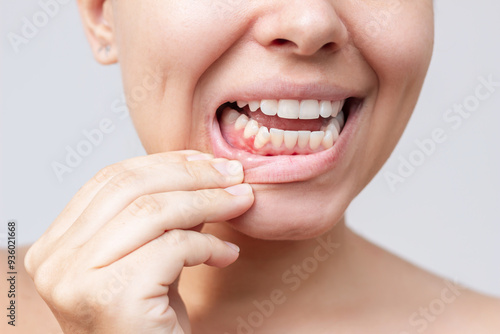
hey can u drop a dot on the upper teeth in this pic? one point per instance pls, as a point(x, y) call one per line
point(294, 109)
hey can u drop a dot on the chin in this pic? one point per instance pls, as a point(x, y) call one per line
point(283, 212)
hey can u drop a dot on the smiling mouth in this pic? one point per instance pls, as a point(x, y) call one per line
point(283, 127)
point(287, 140)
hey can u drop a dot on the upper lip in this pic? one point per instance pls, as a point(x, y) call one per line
point(279, 90)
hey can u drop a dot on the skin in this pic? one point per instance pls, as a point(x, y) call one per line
point(196, 50)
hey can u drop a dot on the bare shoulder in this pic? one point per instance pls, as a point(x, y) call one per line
point(474, 312)
point(420, 301)
point(441, 305)
point(446, 306)
point(28, 313)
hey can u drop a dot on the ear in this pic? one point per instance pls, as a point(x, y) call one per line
point(97, 18)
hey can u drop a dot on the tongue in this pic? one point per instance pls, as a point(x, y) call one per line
point(286, 124)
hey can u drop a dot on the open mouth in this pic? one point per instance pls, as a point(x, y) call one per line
point(283, 127)
point(281, 141)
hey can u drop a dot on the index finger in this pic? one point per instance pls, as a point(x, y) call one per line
point(87, 192)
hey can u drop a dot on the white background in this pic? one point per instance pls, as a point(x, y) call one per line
point(445, 217)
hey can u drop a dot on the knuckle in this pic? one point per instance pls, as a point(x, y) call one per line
point(204, 198)
point(198, 206)
point(43, 279)
point(123, 180)
point(194, 171)
point(211, 240)
point(146, 205)
point(62, 296)
point(29, 260)
point(205, 173)
point(49, 274)
point(65, 293)
point(68, 299)
point(186, 211)
point(210, 194)
point(108, 172)
point(199, 201)
point(164, 158)
point(176, 238)
point(34, 255)
point(163, 316)
point(220, 180)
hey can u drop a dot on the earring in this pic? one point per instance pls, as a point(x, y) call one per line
point(105, 48)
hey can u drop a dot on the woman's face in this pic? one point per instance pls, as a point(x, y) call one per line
point(182, 60)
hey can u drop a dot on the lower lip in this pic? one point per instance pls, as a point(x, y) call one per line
point(286, 168)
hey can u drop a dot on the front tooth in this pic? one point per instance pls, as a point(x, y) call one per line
point(262, 138)
point(341, 118)
point(290, 138)
point(251, 129)
point(241, 122)
point(277, 136)
point(241, 104)
point(325, 109)
point(316, 139)
point(269, 107)
point(289, 109)
point(304, 137)
point(230, 116)
point(309, 109)
point(336, 106)
point(254, 105)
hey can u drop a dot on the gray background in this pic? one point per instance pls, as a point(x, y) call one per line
point(444, 217)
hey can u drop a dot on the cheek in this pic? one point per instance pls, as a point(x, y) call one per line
point(395, 37)
point(171, 43)
point(396, 40)
point(182, 37)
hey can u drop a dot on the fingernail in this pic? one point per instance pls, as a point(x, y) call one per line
point(198, 157)
point(233, 246)
point(240, 190)
point(231, 168)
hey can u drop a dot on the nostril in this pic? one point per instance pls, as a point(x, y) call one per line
point(285, 43)
point(280, 41)
point(329, 46)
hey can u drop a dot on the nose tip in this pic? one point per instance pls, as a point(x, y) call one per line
point(303, 27)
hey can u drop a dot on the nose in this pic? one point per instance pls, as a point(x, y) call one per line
point(301, 27)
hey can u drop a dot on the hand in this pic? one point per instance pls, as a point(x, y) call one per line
point(110, 261)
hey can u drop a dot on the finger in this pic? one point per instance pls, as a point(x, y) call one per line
point(150, 216)
point(85, 195)
point(128, 186)
point(162, 259)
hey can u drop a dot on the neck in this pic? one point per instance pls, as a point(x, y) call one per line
point(287, 270)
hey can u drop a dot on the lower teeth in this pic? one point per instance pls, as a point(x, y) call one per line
point(288, 142)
